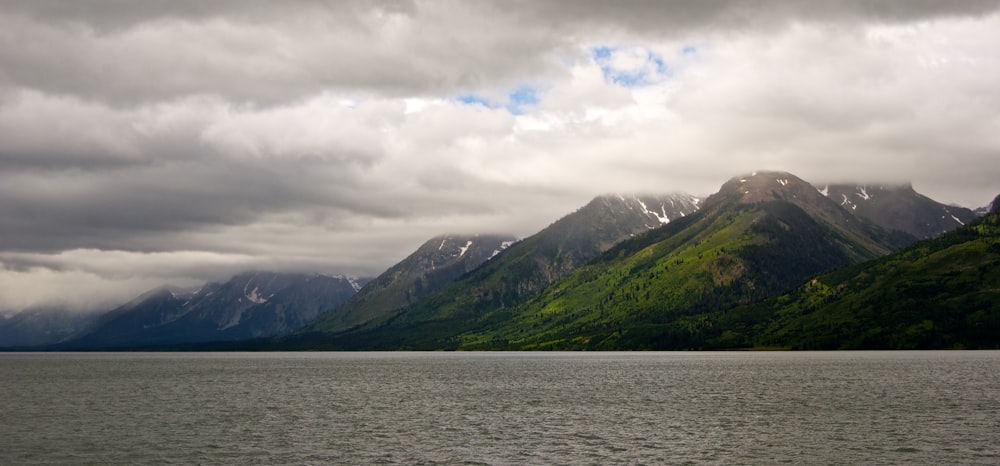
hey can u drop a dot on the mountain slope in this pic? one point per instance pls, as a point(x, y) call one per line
point(758, 237)
point(42, 326)
point(522, 270)
point(900, 208)
point(433, 265)
point(259, 304)
point(940, 293)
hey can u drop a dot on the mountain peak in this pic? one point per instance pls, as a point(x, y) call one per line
point(898, 207)
point(659, 209)
point(849, 196)
point(763, 186)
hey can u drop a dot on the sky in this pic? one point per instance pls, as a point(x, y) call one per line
point(156, 142)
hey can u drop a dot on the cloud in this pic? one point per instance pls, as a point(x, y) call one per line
point(631, 66)
point(171, 142)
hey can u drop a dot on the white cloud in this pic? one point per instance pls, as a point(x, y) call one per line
point(151, 143)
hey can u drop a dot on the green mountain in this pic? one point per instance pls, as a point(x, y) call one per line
point(515, 275)
point(435, 264)
point(760, 236)
point(939, 293)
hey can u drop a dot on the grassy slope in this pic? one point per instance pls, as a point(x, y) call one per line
point(506, 281)
point(651, 292)
point(698, 284)
point(940, 293)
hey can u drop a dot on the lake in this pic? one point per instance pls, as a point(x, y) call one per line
point(935, 407)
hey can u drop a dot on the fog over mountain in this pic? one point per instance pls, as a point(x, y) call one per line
point(151, 143)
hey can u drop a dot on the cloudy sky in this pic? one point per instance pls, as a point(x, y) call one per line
point(161, 141)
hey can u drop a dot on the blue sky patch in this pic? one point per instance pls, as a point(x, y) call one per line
point(630, 66)
point(520, 98)
point(601, 53)
point(472, 99)
point(517, 100)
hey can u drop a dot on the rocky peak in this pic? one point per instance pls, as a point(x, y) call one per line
point(657, 209)
point(849, 196)
point(995, 205)
point(764, 186)
point(898, 207)
point(450, 249)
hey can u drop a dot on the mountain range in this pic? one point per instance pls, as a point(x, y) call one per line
point(248, 306)
point(436, 263)
point(760, 236)
point(756, 237)
point(530, 265)
point(761, 263)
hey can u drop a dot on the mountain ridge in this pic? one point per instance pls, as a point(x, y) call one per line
point(528, 266)
point(899, 207)
point(437, 262)
point(464, 288)
point(720, 254)
point(735, 250)
point(248, 305)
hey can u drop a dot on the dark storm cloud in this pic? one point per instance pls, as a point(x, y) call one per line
point(126, 52)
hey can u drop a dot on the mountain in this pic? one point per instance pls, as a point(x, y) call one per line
point(42, 326)
point(759, 236)
point(251, 305)
point(982, 211)
point(525, 268)
point(436, 263)
point(939, 293)
point(899, 208)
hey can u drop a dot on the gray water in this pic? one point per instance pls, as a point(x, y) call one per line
point(501, 408)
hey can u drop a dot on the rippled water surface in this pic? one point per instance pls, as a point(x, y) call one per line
point(501, 408)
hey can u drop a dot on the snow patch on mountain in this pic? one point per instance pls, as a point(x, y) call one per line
point(253, 295)
point(660, 216)
point(503, 245)
point(847, 203)
point(957, 220)
point(465, 248)
point(354, 283)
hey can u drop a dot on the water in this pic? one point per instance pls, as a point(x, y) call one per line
point(501, 408)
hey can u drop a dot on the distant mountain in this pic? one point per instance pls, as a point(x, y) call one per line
point(42, 326)
point(435, 264)
point(529, 266)
point(993, 206)
point(251, 305)
point(899, 208)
